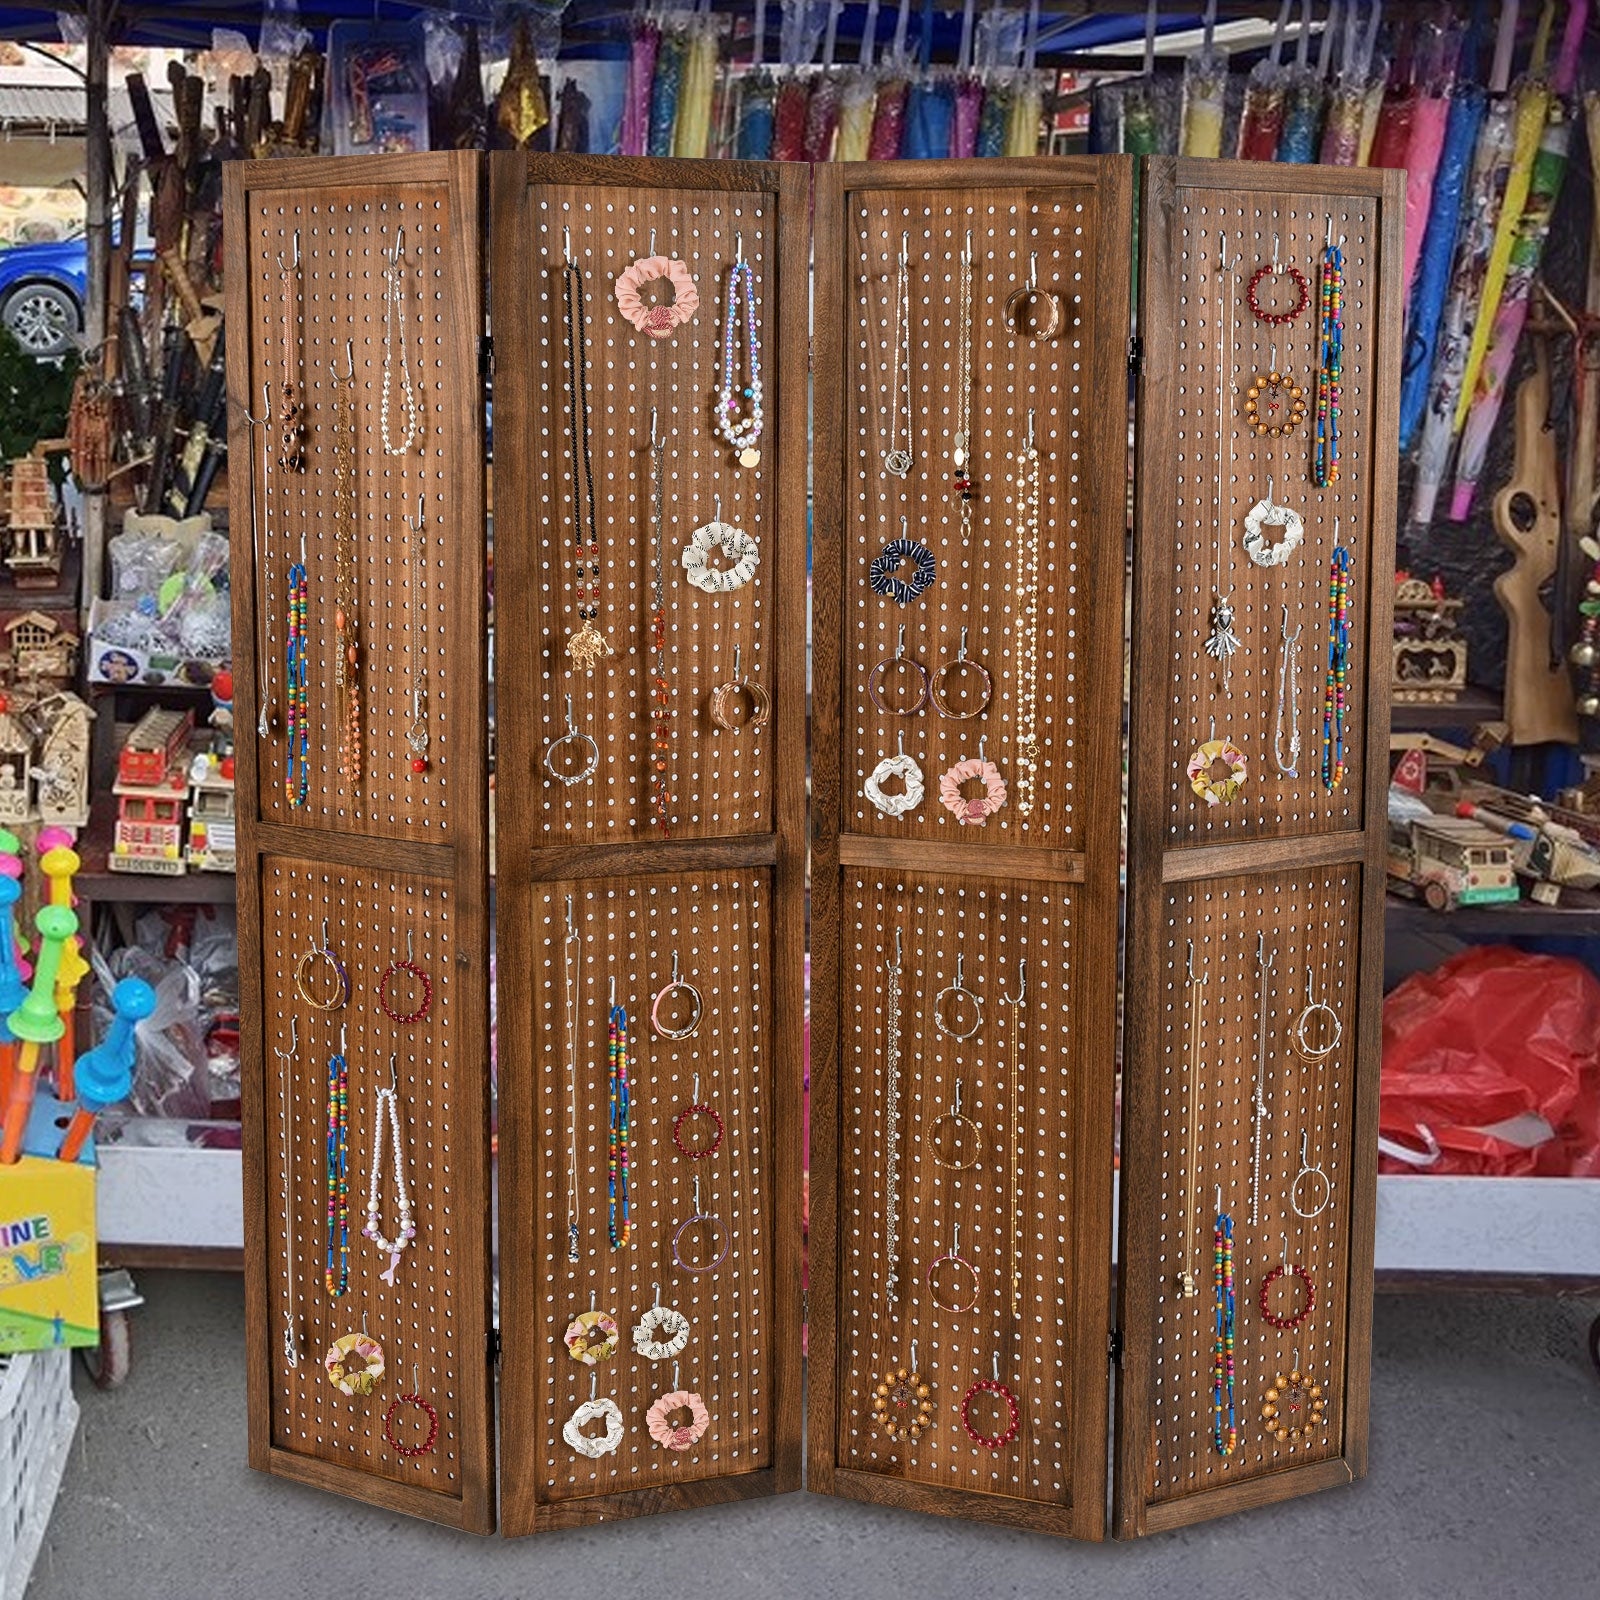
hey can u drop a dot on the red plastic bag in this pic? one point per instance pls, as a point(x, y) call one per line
point(1481, 1051)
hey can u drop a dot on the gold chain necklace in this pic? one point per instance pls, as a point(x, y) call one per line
point(346, 598)
point(1027, 632)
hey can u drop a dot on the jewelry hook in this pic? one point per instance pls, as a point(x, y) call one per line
point(653, 443)
point(676, 1384)
point(905, 525)
point(341, 1038)
point(982, 754)
point(900, 645)
point(961, 970)
point(1305, 1149)
point(398, 246)
point(652, 241)
point(591, 1299)
point(955, 1244)
point(1022, 984)
point(324, 933)
point(966, 254)
point(572, 932)
point(266, 402)
point(1327, 238)
point(897, 947)
point(675, 970)
point(961, 654)
point(738, 247)
point(1274, 252)
point(350, 358)
point(411, 954)
point(697, 1088)
point(1030, 427)
point(900, 735)
point(1286, 1260)
point(738, 672)
point(657, 1300)
point(613, 998)
point(1219, 1199)
point(1188, 962)
point(905, 249)
point(716, 515)
point(594, 1384)
point(913, 1355)
point(394, 1077)
point(996, 1367)
point(697, 1195)
point(1033, 271)
point(566, 235)
point(571, 726)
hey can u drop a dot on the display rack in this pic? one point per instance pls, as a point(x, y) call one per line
point(1244, 913)
point(681, 857)
point(378, 268)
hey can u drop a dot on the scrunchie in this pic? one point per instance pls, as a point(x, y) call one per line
point(594, 1445)
point(1215, 790)
point(736, 545)
point(981, 807)
point(657, 321)
point(579, 1345)
point(358, 1380)
point(895, 805)
point(679, 1438)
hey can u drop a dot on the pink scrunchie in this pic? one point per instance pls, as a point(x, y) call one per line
point(657, 321)
point(981, 807)
point(681, 1438)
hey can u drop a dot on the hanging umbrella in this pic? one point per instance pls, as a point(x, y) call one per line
point(1341, 129)
point(1262, 119)
point(1304, 97)
point(1205, 89)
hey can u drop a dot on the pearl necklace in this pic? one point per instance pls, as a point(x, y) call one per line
point(394, 339)
point(1027, 647)
point(742, 436)
point(389, 1101)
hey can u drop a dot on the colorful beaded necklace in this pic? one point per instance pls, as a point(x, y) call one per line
point(618, 1222)
point(744, 434)
point(1330, 368)
point(1224, 1435)
point(337, 1275)
point(1335, 693)
point(296, 689)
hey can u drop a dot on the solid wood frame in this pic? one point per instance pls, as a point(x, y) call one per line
point(1153, 867)
point(525, 865)
point(1093, 868)
point(462, 862)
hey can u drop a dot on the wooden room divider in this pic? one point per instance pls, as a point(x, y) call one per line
point(960, 402)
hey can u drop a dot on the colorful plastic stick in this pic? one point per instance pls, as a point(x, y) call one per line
point(13, 991)
point(35, 1022)
point(105, 1074)
point(58, 865)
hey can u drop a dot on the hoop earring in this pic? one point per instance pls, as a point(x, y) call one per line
point(940, 681)
point(718, 1232)
point(591, 763)
point(957, 1119)
point(1309, 1213)
point(877, 679)
point(676, 986)
point(340, 996)
point(954, 1256)
point(958, 988)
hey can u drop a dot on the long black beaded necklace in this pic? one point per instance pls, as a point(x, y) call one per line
point(588, 644)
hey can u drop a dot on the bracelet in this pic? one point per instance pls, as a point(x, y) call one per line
point(660, 1319)
point(954, 1256)
point(902, 1404)
point(699, 1109)
point(383, 992)
point(741, 551)
point(433, 1425)
point(726, 695)
point(360, 1380)
point(958, 988)
point(683, 1435)
point(302, 974)
point(940, 681)
point(1255, 393)
point(1306, 1308)
point(594, 1445)
point(1035, 313)
point(1266, 270)
point(582, 1347)
point(1309, 1212)
point(676, 986)
point(908, 772)
point(958, 1120)
point(991, 1441)
point(1311, 1052)
point(721, 1234)
point(591, 763)
point(1296, 1398)
point(877, 679)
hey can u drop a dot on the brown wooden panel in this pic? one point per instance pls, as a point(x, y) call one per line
point(1041, 889)
point(394, 855)
point(1311, 889)
point(725, 892)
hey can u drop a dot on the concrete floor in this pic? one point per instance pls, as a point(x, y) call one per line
point(1485, 1482)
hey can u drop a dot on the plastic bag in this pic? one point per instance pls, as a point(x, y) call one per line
point(1496, 1054)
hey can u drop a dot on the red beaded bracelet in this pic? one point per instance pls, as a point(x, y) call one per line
point(1266, 271)
point(996, 1441)
point(1266, 1291)
point(701, 1110)
point(421, 977)
point(433, 1425)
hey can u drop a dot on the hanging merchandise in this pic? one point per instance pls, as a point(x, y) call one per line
point(1341, 129)
point(1224, 1419)
point(968, 114)
point(894, 87)
point(857, 102)
point(387, 1106)
point(521, 108)
point(619, 1134)
point(692, 131)
point(346, 585)
point(902, 1403)
point(417, 735)
point(657, 318)
point(740, 411)
point(394, 352)
point(789, 119)
point(401, 1447)
point(1222, 642)
point(1390, 142)
point(1330, 365)
point(1026, 668)
point(680, 1435)
point(573, 135)
point(1027, 100)
point(665, 87)
point(1304, 95)
point(753, 141)
point(1336, 695)
point(645, 46)
point(1261, 121)
point(994, 122)
point(1287, 703)
point(336, 1274)
point(1293, 1407)
point(296, 689)
point(1429, 122)
point(660, 758)
point(588, 646)
point(1205, 93)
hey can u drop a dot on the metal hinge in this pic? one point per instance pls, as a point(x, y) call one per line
point(1114, 1347)
point(1136, 355)
point(486, 356)
point(805, 1308)
point(494, 1347)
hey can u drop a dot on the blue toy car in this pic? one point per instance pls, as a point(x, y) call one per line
point(42, 290)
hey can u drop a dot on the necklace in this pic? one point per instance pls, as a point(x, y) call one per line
point(742, 434)
point(1223, 642)
point(1258, 1099)
point(1014, 1185)
point(416, 556)
point(964, 451)
point(291, 1338)
point(660, 698)
point(1334, 698)
point(891, 1126)
point(588, 644)
point(394, 340)
point(897, 458)
point(1225, 1435)
point(618, 1223)
point(337, 1274)
point(296, 688)
point(291, 415)
point(389, 1104)
point(1288, 695)
point(1028, 523)
point(262, 548)
point(1187, 1284)
point(346, 594)
point(1330, 365)
point(572, 971)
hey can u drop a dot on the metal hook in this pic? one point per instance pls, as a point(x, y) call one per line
point(1269, 480)
point(1305, 1149)
point(961, 970)
point(905, 525)
point(1274, 252)
point(900, 644)
point(1022, 984)
point(613, 998)
point(1033, 271)
point(996, 1367)
point(905, 249)
point(738, 247)
point(572, 931)
point(653, 443)
point(294, 1042)
point(571, 726)
point(676, 1384)
point(566, 235)
point(961, 654)
point(399, 246)
point(1286, 1260)
point(341, 1038)
point(657, 1300)
point(394, 1077)
point(652, 241)
point(897, 947)
point(966, 254)
point(738, 672)
point(594, 1384)
point(591, 1299)
point(1030, 428)
point(958, 1097)
point(1188, 962)
point(697, 1088)
point(913, 1355)
point(411, 954)
point(1297, 1358)
point(675, 974)
point(982, 755)
point(1219, 1199)
point(350, 357)
point(266, 403)
point(697, 1195)
point(1327, 238)
point(716, 515)
point(900, 739)
point(1263, 960)
point(324, 933)
point(955, 1243)
point(1336, 530)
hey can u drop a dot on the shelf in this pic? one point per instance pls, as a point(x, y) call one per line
point(97, 883)
point(1470, 708)
point(1578, 915)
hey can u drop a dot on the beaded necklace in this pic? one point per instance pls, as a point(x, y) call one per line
point(296, 688)
point(588, 644)
point(337, 1274)
point(1330, 366)
point(1027, 635)
point(1335, 693)
point(618, 1138)
point(389, 1104)
point(660, 690)
point(742, 435)
point(346, 659)
point(1225, 1436)
point(394, 339)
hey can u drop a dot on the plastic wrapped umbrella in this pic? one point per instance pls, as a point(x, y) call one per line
point(968, 113)
point(1027, 112)
point(1428, 125)
point(789, 119)
point(641, 77)
point(994, 122)
point(664, 94)
point(753, 142)
point(822, 116)
point(1303, 100)
point(1261, 121)
point(1205, 93)
point(929, 114)
point(692, 132)
point(888, 119)
point(1438, 250)
point(856, 101)
point(1341, 125)
point(1527, 250)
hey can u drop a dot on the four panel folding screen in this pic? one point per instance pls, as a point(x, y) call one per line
point(925, 367)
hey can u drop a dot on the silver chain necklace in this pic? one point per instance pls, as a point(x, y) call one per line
point(1223, 642)
point(1288, 695)
point(897, 460)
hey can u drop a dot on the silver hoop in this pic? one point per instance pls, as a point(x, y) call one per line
point(676, 986)
point(1309, 1171)
point(719, 1232)
point(959, 987)
point(1298, 1032)
point(571, 736)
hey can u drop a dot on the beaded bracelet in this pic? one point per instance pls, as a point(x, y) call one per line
point(959, 1121)
point(1267, 270)
point(422, 1006)
point(698, 1109)
point(1306, 1308)
point(1256, 393)
point(427, 1410)
point(902, 1403)
point(1289, 1395)
point(991, 1441)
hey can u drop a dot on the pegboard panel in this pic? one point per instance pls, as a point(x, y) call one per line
point(1243, 913)
point(719, 887)
point(390, 848)
point(984, 572)
point(1040, 600)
